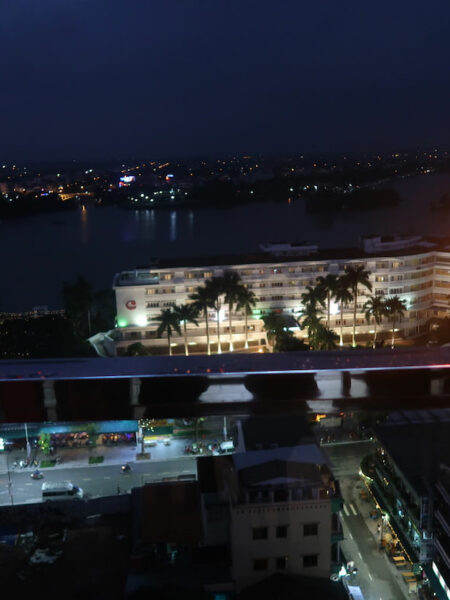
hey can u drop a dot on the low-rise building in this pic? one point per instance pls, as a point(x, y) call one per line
point(416, 270)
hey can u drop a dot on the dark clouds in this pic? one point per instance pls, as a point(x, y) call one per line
point(102, 78)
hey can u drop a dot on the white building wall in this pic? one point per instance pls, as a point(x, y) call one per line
point(422, 280)
point(295, 546)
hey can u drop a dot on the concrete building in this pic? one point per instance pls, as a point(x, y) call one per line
point(411, 483)
point(276, 507)
point(417, 270)
point(282, 519)
point(440, 567)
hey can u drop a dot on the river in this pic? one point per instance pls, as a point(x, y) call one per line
point(40, 252)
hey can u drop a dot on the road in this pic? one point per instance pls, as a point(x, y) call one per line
point(377, 577)
point(102, 480)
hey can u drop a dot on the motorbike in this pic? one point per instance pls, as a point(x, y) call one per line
point(36, 475)
point(125, 468)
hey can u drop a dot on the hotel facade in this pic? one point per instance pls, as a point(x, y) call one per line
point(415, 269)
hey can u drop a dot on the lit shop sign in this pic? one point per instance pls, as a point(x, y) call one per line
point(131, 304)
point(126, 180)
point(2, 444)
point(169, 177)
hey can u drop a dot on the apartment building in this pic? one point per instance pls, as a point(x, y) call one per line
point(440, 567)
point(410, 478)
point(415, 269)
point(274, 504)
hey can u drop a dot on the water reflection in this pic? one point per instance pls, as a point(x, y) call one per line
point(191, 224)
point(173, 226)
point(84, 225)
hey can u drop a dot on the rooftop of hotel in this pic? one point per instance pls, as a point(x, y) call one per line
point(141, 274)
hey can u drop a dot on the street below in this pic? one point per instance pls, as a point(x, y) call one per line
point(376, 576)
point(96, 481)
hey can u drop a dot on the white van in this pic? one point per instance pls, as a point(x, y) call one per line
point(60, 490)
point(224, 448)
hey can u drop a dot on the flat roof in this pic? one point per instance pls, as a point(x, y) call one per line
point(225, 365)
point(325, 254)
point(171, 512)
point(417, 450)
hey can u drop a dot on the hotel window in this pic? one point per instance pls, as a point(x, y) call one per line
point(281, 563)
point(310, 560)
point(262, 299)
point(190, 275)
point(190, 289)
point(310, 529)
point(277, 297)
point(152, 305)
point(168, 303)
point(396, 290)
point(262, 285)
point(291, 270)
point(277, 284)
point(151, 291)
point(379, 292)
point(166, 276)
point(260, 533)
point(260, 564)
point(207, 274)
point(381, 278)
point(396, 264)
point(277, 270)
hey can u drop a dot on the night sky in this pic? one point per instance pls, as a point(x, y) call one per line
point(174, 78)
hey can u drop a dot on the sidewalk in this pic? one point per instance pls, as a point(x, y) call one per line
point(113, 455)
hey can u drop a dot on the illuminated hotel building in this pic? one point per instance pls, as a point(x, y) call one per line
point(415, 269)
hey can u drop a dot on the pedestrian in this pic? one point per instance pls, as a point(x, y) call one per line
point(118, 490)
point(378, 527)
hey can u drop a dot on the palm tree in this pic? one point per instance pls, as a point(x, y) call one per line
point(310, 319)
point(246, 301)
point(329, 285)
point(394, 310)
point(324, 338)
point(275, 327)
point(231, 282)
point(343, 296)
point(375, 309)
point(202, 300)
point(356, 276)
point(313, 296)
point(216, 289)
point(169, 324)
point(186, 313)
